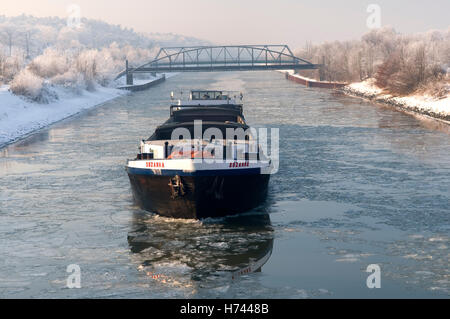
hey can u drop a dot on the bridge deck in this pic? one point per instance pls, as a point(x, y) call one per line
point(219, 68)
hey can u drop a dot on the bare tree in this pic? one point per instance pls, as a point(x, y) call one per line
point(27, 39)
point(420, 63)
point(308, 50)
point(360, 66)
point(8, 32)
point(2, 67)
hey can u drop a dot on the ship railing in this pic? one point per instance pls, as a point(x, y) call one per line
point(206, 95)
point(229, 150)
point(174, 108)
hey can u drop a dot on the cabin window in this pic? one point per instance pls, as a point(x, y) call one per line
point(217, 95)
point(208, 95)
point(196, 95)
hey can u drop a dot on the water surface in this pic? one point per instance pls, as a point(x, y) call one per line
point(358, 184)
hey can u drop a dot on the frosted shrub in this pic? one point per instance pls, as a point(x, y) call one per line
point(71, 80)
point(49, 64)
point(436, 86)
point(86, 65)
point(106, 67)
point(28, 84)
point(10, 66)
point(31, 86)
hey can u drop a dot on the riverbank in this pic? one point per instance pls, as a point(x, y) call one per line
point(144, 84)
point(420, 104)
point(290, 75)
point(20, 117)
point(417, 104)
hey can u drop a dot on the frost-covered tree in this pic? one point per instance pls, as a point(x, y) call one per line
point(400, 64)
point(29, 85)
point(45, 52)
point(8, 33)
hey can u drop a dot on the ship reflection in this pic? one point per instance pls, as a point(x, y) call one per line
point(182, 252)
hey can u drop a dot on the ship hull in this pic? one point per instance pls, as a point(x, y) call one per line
point(202, 196)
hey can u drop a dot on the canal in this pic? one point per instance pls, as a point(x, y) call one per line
point(359, 184)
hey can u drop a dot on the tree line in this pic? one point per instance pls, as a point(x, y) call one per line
point(399, 64)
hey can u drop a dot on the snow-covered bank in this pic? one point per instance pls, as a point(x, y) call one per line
point(140, 79)
point(291, 75)
point(141, 83)
point(121, 82)
point(422, 104)
point(19, 117)
point(301, 77)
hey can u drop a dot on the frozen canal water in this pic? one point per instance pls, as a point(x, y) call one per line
point(358, 184)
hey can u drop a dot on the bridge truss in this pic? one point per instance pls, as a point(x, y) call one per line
point(223, 58)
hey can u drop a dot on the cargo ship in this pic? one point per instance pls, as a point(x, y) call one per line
point(203, 162)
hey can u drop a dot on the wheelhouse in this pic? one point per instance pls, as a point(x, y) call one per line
point(216, 111)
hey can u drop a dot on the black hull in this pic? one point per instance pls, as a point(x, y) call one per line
point(202, 196)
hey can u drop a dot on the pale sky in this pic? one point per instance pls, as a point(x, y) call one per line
point(290, 22)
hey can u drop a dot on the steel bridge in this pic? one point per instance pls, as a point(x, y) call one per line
point(221, 58)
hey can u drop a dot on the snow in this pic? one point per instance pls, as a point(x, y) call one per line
point(136, 81)
point(424, 104)
point(366, 87)
point(20, 117)
point(292, 73)
point(418, 103)
point(141, 79)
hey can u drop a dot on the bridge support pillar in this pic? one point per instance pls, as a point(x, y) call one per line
point(129, 75)
point(322, 70)
point(129, 78)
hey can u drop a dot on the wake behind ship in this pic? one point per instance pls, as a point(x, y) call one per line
point(202, 162)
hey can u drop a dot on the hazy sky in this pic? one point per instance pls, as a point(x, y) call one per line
point(249, 21)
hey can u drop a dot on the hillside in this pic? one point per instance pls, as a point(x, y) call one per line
point(50, 46)
point(49, 71)
point(32, 35)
